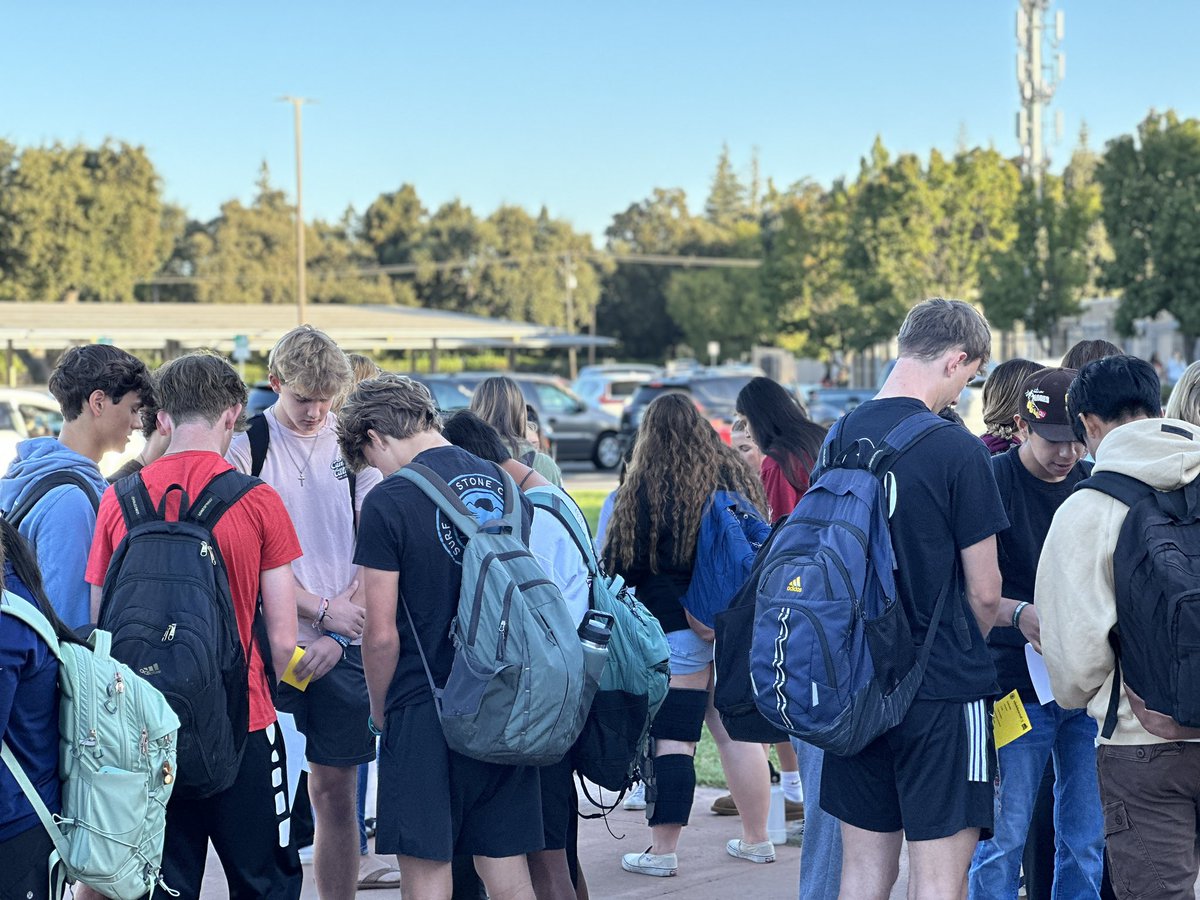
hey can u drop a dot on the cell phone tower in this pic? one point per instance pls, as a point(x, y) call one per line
point(1041, 65)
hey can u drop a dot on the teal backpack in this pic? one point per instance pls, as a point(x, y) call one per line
point(611, 751)
point(116, 762)
point(517, 693)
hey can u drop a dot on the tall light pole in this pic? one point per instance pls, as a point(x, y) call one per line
point(298, 102)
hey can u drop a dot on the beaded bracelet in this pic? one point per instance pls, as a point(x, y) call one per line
point(321, 613)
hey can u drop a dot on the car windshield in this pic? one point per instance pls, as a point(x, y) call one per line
point(719, 392)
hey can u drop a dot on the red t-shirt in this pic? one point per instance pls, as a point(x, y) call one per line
point(254, 535)
point(782, 496)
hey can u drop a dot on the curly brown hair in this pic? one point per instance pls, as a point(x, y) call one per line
point(677, 464)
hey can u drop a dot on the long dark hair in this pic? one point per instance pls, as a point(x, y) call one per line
point(780, 428)
point(16, 550)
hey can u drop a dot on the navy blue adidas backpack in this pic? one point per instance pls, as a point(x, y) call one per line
point(731, 531)
point(833, 660)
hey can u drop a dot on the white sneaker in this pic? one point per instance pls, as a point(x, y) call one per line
point(755, 853)
point(636, 798)
point(660, 865)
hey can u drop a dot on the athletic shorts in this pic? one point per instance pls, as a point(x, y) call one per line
point(434, 803)
point(332, 714)
point(248, 825)
point(559, 803)
point(690, 653)
point(931, 775)
point(25, 865)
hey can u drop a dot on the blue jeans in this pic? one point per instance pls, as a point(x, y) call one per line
point(1070, 736)
point(360, 803)
point(821, 854)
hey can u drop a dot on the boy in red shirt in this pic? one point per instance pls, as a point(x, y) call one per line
point(201, 400)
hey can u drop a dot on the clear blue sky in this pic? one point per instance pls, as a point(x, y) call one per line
point(582, 107)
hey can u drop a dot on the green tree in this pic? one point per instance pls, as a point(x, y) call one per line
point(79, 222)
point(1151, 200)
point(335, 253)
point(1041, 277)
point(728, 200)
point(248, 253)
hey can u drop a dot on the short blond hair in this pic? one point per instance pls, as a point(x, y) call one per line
point(308, 361)
point(363, 367)
point(392, 405)
point(1184, 402)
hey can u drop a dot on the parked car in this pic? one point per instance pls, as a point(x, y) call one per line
point(448, 393)
point(261, 397)
point(25, 414)
point(714, 392)
point(610, 388)
point(576, 431)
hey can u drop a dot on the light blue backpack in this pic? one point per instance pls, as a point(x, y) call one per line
point(117, 764)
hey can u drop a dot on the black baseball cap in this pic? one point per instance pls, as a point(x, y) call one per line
point(1044, 404)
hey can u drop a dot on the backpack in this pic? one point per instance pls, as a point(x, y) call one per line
point(614, 743)
point(258, 431)
point(731, 531)
point(832, 658)
point(45, 485)
point(516, 693)
point(1156, 568)
point(117, 764)
point(733, 693)
point(167, 603)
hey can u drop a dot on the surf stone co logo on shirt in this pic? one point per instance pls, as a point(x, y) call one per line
point(481, 495)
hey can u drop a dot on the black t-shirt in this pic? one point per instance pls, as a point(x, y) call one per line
point(1030, 505)
point(659, 591)
point(400, 530)
point(946, 501)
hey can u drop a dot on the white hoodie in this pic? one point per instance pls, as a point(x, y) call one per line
point(1075, 596)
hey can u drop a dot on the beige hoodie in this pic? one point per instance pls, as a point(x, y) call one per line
point(1075, 595)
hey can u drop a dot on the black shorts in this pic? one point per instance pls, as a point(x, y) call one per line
point(434, 803)
point(248, 825)
point(559, 803)
point(25, 865)
point(931, 775)
point(332, 714)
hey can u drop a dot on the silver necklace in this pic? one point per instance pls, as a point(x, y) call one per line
point(300, 471)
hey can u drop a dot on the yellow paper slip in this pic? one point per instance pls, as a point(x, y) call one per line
point(289, 674)
point(1009, 719)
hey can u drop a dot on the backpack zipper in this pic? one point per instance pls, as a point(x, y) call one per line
point(502, 640)
point(207, 550)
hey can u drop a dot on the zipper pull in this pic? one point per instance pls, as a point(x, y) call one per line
point(120, 683)
point(144, 742)
point(169, 634)
point(206, 550)
point(168, 777)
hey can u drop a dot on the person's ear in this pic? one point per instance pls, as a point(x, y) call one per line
point(1020, 428)
point(276, 384)
point(1093, 426)
point(96, 401)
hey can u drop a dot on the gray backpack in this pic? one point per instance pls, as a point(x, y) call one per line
point(517, 692)
point(117, 764)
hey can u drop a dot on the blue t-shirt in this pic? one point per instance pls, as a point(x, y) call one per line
point(946, 501)
point(400, 530)
point(28, 716)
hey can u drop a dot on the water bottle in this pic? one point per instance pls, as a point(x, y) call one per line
point(776, 817)
point(594, 633)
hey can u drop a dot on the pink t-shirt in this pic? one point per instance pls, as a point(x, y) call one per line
point(320, 508)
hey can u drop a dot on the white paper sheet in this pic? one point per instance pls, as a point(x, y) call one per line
point(1038, 674)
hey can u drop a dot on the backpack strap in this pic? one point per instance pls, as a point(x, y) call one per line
point(433, 486)
point(902, 438)
point(134, 500)
point(44, 815)
point(31, 616)
point(551, 502)
point(1130, 491)
point(259, 433)
point(219, 495)
point(43, 486)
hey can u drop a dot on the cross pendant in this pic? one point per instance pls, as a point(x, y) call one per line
point(301, 479)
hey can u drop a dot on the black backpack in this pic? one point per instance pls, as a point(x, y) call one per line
point(733, 694)
point(167, 603)
point(1156, 570)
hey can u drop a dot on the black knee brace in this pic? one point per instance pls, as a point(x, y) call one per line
point(681, 716)
point(671, 790)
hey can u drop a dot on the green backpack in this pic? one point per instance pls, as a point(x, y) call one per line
point(117, 764)
point(518, 691)
point(612, 749)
